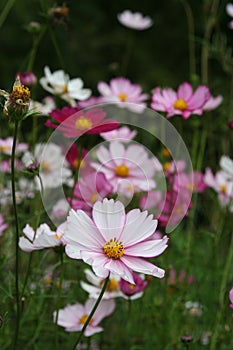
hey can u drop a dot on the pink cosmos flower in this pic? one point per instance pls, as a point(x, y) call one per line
point(135, 289)
point(231, 298)
point(123, 134)
point(109, 242)
point(127, 167)
point(183, 102)
point(74, 123)
point(134, 20)
point(229, 10)
point(212, 103)
point(192, 182)
point(90, 189)
point(6, 146)
point(175, 278)
point(42, 238)
point(90, 102)
point(3, 225)
point(73, 317)
point(27, 78)
point(122, 90)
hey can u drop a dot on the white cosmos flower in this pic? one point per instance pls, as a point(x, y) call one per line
point(59, 83)
point(134, 20)
point(226, 164)
point(54, 169)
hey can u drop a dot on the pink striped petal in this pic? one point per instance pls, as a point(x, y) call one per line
point(199, 98)
point(185, 91)
point(147, 249)
point(119, 268)
point(142, 266)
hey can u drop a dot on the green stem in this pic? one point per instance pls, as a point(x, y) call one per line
point(226, 271)
point(92, 312)
point(17, 235)
point(5, 11)
point(59, 299)
point(191, 35)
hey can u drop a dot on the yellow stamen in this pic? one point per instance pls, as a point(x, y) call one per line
point(112, 285)
point(113, 249)
point(122, 170)
point(83, 123)
point(45, 166)
point(180, 104)
point(64, 88)
point(84, 318)
point(223, 189)
point(94, 197)
point(131, 286)
point(166, 166)
point(122, 96)
point(76, 162)
point(165, 152)
point(4, 148)
point(20, 95)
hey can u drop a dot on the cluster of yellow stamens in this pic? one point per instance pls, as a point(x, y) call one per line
point(113, 249)
point(122, 170)
point(122, 96)
point(112, 285)
point(180, 104)
point(84, 318)
point(83, 123)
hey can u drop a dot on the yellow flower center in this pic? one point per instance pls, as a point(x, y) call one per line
point(93, 197)
point(84, 318)
point(131, 286)
point(166, 166)
point(113, 249)
point(76, 163)
point(83, 123)
point(223, 189)
point(45, 166)
point(122, 170)
point(122, 96)
point(165, 152)
point(112, 285)
point(20, 95)
point(180, 104)
point(64, 88)
point(4, 148)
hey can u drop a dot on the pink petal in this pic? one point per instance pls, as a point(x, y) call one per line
point(104, 89)
point(185, 91)
point(147, 249)
point(199, 98)
point(142, 266)
point(119, 268)
point(117, 151)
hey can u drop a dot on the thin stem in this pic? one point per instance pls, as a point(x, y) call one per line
point(5, 11)
point(226, 272)
point(92, 312)
point(59, 299)
point(17, 234)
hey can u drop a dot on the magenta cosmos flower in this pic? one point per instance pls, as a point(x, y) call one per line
point(110, 243)
point(183, 102)
point(73, 317)
point(231, 298)
point(122, 90)
point(134, 20)
point(73, 122)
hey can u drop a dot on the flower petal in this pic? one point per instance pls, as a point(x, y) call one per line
point(147, 249)
point(142, 266)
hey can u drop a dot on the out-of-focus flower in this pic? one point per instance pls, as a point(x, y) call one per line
point(89, 189)
point(231, 298)
point(133, 291)
point(212, 103)
point(3, 225)
point(94, 289)
point(54, 169)
point(184, 102)
point(18, 101)
point(175, 280)
point(226, 164)
point(90, 102)
point(24, 190)
point(229, 10)
point(59, 83)
point(7, 144)
point(78, 162)
point(230, 125)
point(60, 209)
point(73, 317)
point(122, 90)
point(42, 238)
point(44, 107)
point(134, 20)
point(193, 182)
point(74, 123)
point(59, 15)
point(194, 308)
point(109, 242)
point(27, 78)
point(123, 134)
point(128, 166)
point(151, 200)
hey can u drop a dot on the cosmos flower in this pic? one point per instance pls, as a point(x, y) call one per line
point(134, 20)
point(73, 122)
point(109, 242)
point(73, 317)
point(123, 134)
point(231, 298)
point(127, 166)
point(122, 90)
point(184, 102)
point(7, 144)
point(229, 10)
point(133, 291)
point(212, 103)
point(59, 83)
point(3, 225)
point(42, 238)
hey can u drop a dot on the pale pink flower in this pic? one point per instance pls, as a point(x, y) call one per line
point(231, 298)
point(110, 243)
point(122, 90)
point(45, 107)
point(90, 102)
point(134, 20)
point(42, 238)
point(184, 102)
point(127, 166)
point(193, 182)
point(229, 10)
point(73, 317)
point(92, 187)
point(94, 289)
point(3, 225)
point(59, 83)
point(123, 134)
point(212, 103)
point(7, 144)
